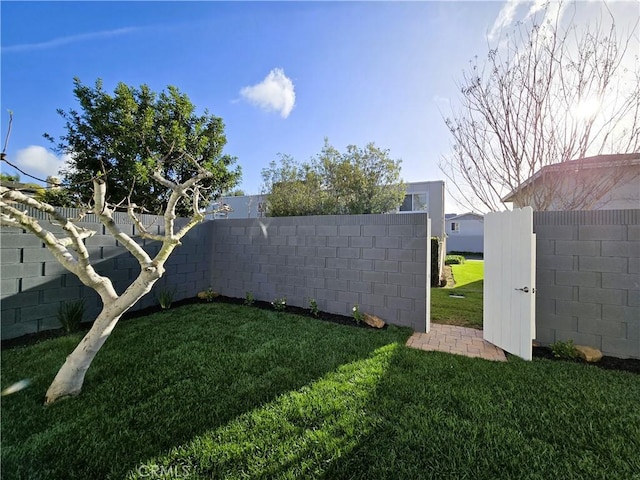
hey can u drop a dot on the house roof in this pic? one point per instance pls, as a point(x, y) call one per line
point(597, 161)
point(475, 216)
point(27, 188)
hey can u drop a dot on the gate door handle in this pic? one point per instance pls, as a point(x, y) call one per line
point(524, 289)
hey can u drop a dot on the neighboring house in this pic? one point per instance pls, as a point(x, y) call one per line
point(465, 232)
point(29, 189)
point(420, 197)
point(243, 206)
point(603, 182)
point(426, 197)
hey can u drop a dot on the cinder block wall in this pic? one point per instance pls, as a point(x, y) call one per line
point(33, 284)
point(376, 261)
point(588, 279)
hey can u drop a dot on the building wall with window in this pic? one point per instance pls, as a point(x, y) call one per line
point(465, 233)
point(426, 197)
point(245, 206)
point(420, 197)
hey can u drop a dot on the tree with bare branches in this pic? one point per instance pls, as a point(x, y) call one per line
point(171, 152)
point(547, 95)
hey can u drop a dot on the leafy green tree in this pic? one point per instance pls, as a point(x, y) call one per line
point(361, 180)
point(127, 135)
point(5, 177)
point(58, 197)
point(134, 151)
point(292, 189)
point(358, 181)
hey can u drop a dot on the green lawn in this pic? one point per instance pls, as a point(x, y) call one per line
point(224, 391)
point(465, 311)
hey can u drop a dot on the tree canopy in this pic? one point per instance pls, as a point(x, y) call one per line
point(124, 136)
point(135, 151)
point(357, 181)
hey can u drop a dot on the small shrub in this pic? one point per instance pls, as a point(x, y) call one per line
point(248, 299)
point(467, 254)
point(70, 315)
point(279, 304)
point(208, 295)
point(358, 316)
point(562, 349)
point(454, 260)
point(313, 306)
point(165, 298)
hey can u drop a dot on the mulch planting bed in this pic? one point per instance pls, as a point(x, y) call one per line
point(32, 338)
point(609, 363)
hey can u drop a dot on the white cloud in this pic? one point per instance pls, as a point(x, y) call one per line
point(442, 101)
point(56, 42)
point(39, 162)
point(505, 18)
point(274, 93)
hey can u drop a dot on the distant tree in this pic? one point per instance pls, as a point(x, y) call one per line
point(234, 193)
point(358, 181)
point(182, 175)
point(292, 189)
point(57, 197)
point(545, 95)
point(5, 177)
point(121, 136)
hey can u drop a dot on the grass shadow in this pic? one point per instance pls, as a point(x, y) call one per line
point(475, 286)
point(305, 399)
point(436, 415)
point(406, 414)
point(161, 381)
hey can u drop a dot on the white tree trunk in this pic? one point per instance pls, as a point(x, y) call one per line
point(70, 378)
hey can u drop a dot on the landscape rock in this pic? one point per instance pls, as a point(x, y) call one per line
point(589, 354)
point(373, 321)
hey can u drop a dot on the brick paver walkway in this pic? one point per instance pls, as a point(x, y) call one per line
point(458, 340)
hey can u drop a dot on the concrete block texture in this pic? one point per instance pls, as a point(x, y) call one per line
point(578, 338)
point(621, 249)
point(587, 270)
point(582, 247)
point(602, 232)
point(602, 327)
point(602, 264)
point(627, 281)
point(621, 347)
point(577, 278)
point(605, 296)
point(45, 283)
point(576, 309)
point(593, 299)
point(340, 261)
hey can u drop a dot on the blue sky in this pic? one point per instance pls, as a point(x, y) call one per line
point(282, 75)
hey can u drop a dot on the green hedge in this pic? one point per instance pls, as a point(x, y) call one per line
point(454, 260)
point(435, 271)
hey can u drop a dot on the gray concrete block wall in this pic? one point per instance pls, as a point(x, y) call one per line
point(588, 280)
point(33, 284)
point(376, 261)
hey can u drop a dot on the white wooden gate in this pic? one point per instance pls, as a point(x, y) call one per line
point(509, 281)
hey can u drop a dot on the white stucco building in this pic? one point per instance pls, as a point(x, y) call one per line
point(603, 182)
point(465, 232)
